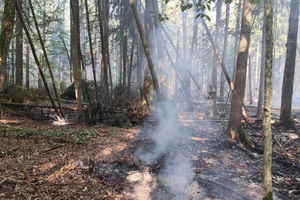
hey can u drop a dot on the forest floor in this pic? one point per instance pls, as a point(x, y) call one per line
point(40, 159)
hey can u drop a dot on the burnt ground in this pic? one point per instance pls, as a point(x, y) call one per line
point(40, 159)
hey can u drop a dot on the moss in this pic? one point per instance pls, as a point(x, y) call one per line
point(120, 121)
point(269, 196)
point(244, 138)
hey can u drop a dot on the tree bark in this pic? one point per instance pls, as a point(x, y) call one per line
point(146, 49)
point(46, 57)
point(286, 117)
point(214, 75)
point(240, 77)
point(7, 26)
point(27, 66)
point(262, 72)
point(19, 48)
point(75, 56)
point(91, 50)
point(224, 56)
point(267, 159)
point(37, 60)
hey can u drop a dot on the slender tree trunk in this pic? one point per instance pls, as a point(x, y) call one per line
point(75, 56)
point(27, 66)
point(19, 48)
point(267, 159)
point(7, 26)
point(240, 78)
point(236, 37)
point(250, 79)
point(46, 57)
point(91, 50)
point(262, 72)
point(222, 83)
point(125, 47)
point(37, 60)
point(146, 49)
point(214, 75)
point(160, 54)
point(130, 64)
point(104, 49)
point(286, 117)
point(13, 67)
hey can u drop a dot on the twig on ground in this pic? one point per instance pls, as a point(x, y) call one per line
point(281, 147)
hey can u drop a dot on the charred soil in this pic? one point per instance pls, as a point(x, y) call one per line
point(41, 160)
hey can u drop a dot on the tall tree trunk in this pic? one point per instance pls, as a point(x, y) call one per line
point(214, 75)
point(46, 57)
point(235, 127)
point(27, 66)
point(149, 31)
point(13, 66)
point(267, 159)
point(125, 47)
point(250, 79)
point(286, 117)
point(75, 56)
point(130, 63)
point(104, 48)
point(262, 72)
point(7, 26)
point(91, 50)
point(160, 54)
point(146, 49)
point(224, 57)
point(19, 48)
point(236, 37)
point(37, 60)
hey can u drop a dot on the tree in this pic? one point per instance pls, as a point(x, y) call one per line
point(75, 55)
point(286, 117)
point(235, 127)
point(262, 72)
point(19, 48)
point(267, 160)
point(146, 49)
point(5, 38)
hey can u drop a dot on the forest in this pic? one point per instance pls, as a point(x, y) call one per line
point(150, 99)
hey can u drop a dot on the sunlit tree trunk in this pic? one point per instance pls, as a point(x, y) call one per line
point(235, 126)
point(267, 159)
point(7, 26)
point(75, 55)
point(19, 48)
point(286, 117)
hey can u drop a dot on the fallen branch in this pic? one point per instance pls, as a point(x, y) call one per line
point(281, 147)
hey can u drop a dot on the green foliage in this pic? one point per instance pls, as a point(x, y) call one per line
point(120, 121)
point(15, 94)
point(186, 6)
point(76, 136)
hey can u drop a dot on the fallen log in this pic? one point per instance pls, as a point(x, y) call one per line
point(36, 106)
